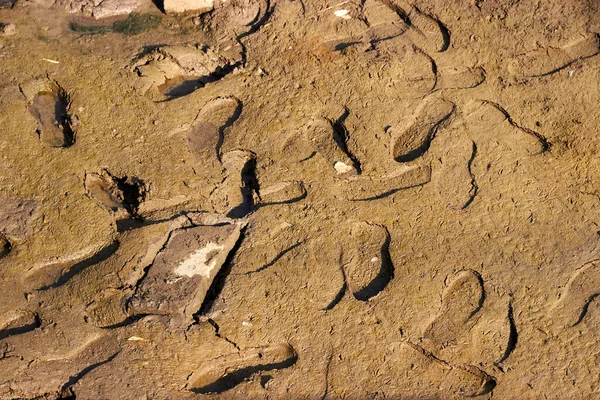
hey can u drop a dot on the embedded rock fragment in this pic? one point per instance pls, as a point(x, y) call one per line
point(179, 278)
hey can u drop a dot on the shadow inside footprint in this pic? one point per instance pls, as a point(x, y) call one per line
point(117, 193)
point(16, 322)
point(234, 379)
point(179, 87)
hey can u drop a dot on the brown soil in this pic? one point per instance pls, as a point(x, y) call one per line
point(307, 199)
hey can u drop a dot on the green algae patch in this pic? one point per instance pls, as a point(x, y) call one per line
point(134, 24)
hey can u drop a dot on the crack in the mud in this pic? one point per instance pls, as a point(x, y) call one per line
point(218, 334)
point(218, 283)
point(474, 187)
point(327, 366)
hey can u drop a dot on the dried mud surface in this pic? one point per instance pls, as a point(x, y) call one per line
point(373, 199)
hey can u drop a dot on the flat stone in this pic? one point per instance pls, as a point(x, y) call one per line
point(179, 278)
point(180, 6)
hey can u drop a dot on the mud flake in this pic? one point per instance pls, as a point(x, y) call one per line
point(177, 71)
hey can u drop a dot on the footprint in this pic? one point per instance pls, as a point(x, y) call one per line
point(50, 105)
point(436, 36)
point(280, 193)
point(223, 373)
point(344, 26)
point(464, 331)
point(579, 293)
point(56, 271)
point(406, 73)
point(412, 139)
point(180, 276)
point(459, 78)
point(489, 342)
point(207, 134)
point(401, 177)
point(548, 60)
point(435, 377)
point(383, 20)
point(235, 196)
point(325, 282)
point(331, 145)
point(120, 194)
point(289, 12)
point(451, 171)
point(462, 299)
point(177, 71)
point(243, 15)
point(108, 308)
point(268, 244)
point(494, 337)
point(17, 321)
point(367, 262)
point(491, 123)
point(52, 377)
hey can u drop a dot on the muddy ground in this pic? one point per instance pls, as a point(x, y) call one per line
point(310, 199)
